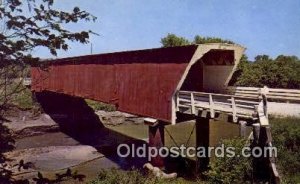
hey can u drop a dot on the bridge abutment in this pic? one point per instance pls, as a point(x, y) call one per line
point(202, 140)
point(157, 140)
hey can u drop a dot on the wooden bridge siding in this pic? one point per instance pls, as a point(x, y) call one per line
point(139, 82)
point(134, 88)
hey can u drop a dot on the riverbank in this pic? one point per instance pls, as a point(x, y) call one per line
point(45, 151)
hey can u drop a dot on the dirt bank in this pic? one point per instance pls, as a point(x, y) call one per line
point(47, 150)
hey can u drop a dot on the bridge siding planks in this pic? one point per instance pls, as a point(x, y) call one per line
point(139, 82)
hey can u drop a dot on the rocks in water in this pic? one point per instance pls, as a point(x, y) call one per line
point(116, 118)
point(27, 126)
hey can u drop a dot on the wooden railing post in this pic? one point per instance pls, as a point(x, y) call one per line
point(193, 103)
point(211, 106)
point(177, 101)
point(234, 117)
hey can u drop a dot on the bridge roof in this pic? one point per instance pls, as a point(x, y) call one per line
point(177, 54)
point(141, 82)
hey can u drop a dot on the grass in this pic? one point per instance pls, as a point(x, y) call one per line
point(24, 99)
point(117, 176)
point(14, 93)
point(100, 106)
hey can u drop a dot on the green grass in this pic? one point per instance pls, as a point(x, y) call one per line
point(100, 106)
point(14, 93)
point(117, 176)
point(24, 99)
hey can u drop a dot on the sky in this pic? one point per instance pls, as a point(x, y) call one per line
point(269, 27)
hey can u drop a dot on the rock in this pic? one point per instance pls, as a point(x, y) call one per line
point(116, 118)
point(51, 158)
point(158, 172)
point(26, 127)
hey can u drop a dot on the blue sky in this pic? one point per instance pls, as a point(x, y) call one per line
point(263, 26)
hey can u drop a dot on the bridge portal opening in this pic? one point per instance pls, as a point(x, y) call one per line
point(211, 72)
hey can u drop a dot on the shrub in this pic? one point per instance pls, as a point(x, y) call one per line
point(117, 176)
point(228, 170)
point(286, 137)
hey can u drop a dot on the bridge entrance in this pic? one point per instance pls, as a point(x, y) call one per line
point(210, 73)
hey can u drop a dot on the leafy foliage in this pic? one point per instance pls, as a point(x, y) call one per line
point(172, 40)
point(6, 144)
point(28, 24)
point(286, 137)
point(282, 72)
point(116, 176)
point(24, 99)
point(25, 25)
point(201, 40)
point(39, 25)
point(226, 170)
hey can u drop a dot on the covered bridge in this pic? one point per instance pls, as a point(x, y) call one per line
point(141, 82)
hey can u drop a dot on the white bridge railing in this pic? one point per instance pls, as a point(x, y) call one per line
point(198, 102)
point(242, 102)
point(273, 94)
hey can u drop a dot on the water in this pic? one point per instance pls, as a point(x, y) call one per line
point(106, 139)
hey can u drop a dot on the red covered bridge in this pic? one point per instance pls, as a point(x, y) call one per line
point(142, 82)
point(158, 83)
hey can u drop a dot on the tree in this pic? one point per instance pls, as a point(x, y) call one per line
point(171, 40)
point(27, 24)
point(242, 67)
point(283, 72)
point(202, 40)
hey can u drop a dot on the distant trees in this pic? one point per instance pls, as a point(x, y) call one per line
point(201, 40)
point(281, 72)
point(172, 40)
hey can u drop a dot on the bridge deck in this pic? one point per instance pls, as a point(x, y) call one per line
point(236, 106)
